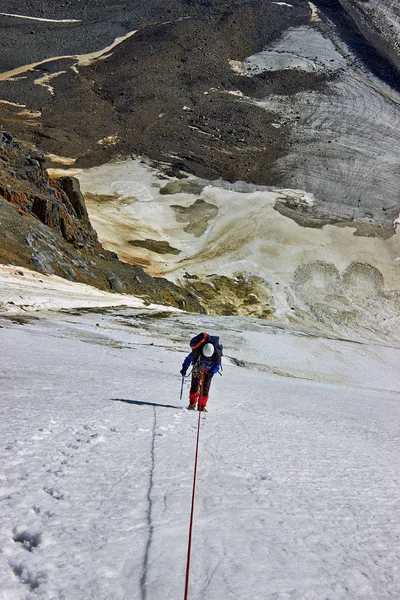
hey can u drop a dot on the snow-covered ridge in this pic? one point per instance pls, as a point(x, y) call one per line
point(301, 48)
point(24, 290)
point(379, 22)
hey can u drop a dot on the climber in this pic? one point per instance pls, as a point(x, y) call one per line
point(206, 358)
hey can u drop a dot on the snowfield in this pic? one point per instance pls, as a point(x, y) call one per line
point(24, 290)
point(298, 478)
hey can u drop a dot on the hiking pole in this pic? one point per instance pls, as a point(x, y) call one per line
point(183, 379)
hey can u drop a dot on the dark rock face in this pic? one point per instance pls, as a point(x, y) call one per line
point(58, 204)
point(45, 226)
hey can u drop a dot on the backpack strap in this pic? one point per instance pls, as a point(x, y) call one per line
point(202, 340)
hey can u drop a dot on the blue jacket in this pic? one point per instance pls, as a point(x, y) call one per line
point(211, 365)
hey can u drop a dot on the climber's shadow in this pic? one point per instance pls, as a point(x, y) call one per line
point(140, 403)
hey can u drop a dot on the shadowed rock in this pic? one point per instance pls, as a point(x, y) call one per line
point(196, 216)
point(155, 246)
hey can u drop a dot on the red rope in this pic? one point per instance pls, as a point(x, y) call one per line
point(193, 495)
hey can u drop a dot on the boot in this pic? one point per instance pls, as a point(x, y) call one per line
point(192, 407)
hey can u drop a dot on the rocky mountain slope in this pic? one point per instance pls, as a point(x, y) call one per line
point(197, 86)
point(290, 95)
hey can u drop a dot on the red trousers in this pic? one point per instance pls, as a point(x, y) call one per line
point(195, 391)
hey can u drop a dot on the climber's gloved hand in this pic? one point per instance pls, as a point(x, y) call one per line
point(183, 372)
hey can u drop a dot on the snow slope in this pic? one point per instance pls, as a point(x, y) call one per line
point(24, 290)
point(298, 477)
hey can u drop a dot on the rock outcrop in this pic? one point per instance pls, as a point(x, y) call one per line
point(57, 203)
point(44, 225)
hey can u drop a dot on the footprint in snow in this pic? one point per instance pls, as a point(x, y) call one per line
point(39, 511)
point(54, 493)
point(27, 575)
point(28, 539)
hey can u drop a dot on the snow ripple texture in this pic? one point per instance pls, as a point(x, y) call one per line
point(344, 141)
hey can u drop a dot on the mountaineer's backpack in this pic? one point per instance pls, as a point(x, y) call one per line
point(204, 338)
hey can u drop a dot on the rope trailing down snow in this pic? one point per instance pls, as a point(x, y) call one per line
point(193, 496)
